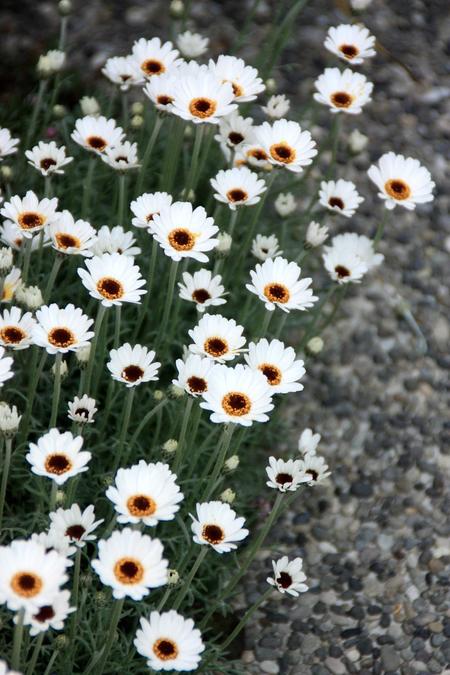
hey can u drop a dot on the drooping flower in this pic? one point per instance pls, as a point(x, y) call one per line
point(277, 283)
point(115, 240)
point(245, 82)
point(285, 204)
point(216, 525)
point(278, 363)
point(288, 576)
point(122, 157)
point(123, 71)
point(277, 106)
point(5, 367)
point(264, 247)
point(75, 524)
point(8, 144)
point(51, 615)
point(11, 283)
point(314, 468)
point(82, 410)
point(345, 92)
point(308, 442)
point(401, 181)
point(72, 237)
point(133, 365)
point(202, 288)
point(58, 456)
point(192, 45)
point(161, 90)
point(349, 257)
point(340, 196)
point(234, 133)
point(147, 206)
point(350, 42)
point(316, 234)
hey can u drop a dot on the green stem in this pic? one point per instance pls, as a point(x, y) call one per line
point(53, 492)
point(75, 593)
point(150, 276)
point(125, 114)
point(253, 222)
point(56, 390)
point(148, 151)
point(5, 475)
point(48, 187)
point(117, 326)
point(265, 325)
point(146, 420)
point(124, 426)
point(309, 332)
point(113, 623)
point(182, 437)
point(36, 652)
point(53, 658)
point(221, 457)
point(185, 587)
point(35, 374)
point(52, 276)
point(192, 177)
point(36, 110)
point(172, 154)
point(380, 229)
point(17, 640)
point(98, 323)
point(122, 196)
point(87, 187)
point(168, 301)
point(232, 223)
point(26, 259)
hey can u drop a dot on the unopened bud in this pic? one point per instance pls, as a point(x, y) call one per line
point(176, 392)
point(228, 496)
point(271, 85)
point(137, 121)
point(315, 345)
point(89, 105)
point(6, 259)
point(137, 108)
point(170, 446)
point(158, 395)
point(64, 7)
point(224, 244)
point(61, 641)
point(83, 354)
point(63, 369)
point(172, 577)
point(59, 111)
point(176, 9)
point(7, 172)
point(232, 463)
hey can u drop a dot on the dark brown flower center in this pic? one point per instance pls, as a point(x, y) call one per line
point(26, 584)
point(272, 373)
point(237, 195)
point(12, 335)
point(236, 404)
point(47, 163)
point(164, 99)
point(110, 288)
point(397, 189)
point(235, 137)
point(350, 51)
point(57, 464)
point(75, 531)
point(30, 220)
point(340, 99)
point(97, 142)
point(342, 271)
point(129, 571)
point(61, 337)
point(284, 580)
point(165, 650)
point(197, 385)
point(283, 478)
point(141, 505)
point(258, 154)
point(201, 295)
point(202, 107)
point(213, 534)
point(277, 293)
point(153, 67)
point(45, 613)
point(336, 202)
point(132, 373)
point(82, 412)
point(64, 240)
point(181, 239)
point(314, 474)
point(215, 346)
point(282, 152)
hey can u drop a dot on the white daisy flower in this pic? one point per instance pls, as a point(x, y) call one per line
point(316, 234)
point(113, 279)
point(51, 62)
point(216, 525)
point(58, 456)
point(239, 395)
point(401, 180)
point(288, 576)
point(48, 158)
point(192, 45)
point(285, 476)
point(29, 576)
point(314, 468)
point(201, 97)
point(285, 204)
point(218, 338)
point(238, 187)
point(154, 57)
point(8, 144)
point(351, 43)
point(16, 328)
point(77, 525)
point(82, 410)
point(122, 157)
point(97, 133)
point(62, 329)
point(131, 563)
point(264, 247)
point(133, 365)
point(345, 92)
point(123, 71)
point(30, 296)
point(255, 155)
point(4, 670)
point(340, 196)
point(161, 90)
point(244, 79)
point(278, 363)
point(308, 442)
point(115, 240)
point(30, 214)
point(72, 237)
point(286, 144)
point(234, 133)
point(52, 615)
point(184, 231)
point(10, 284)
point(145, 493)
point(55, 542)
point(277, 106)
point(12, 235)
point(147, 206)
point(277, 283)
point(193, 374)
point(5, 367)
point(202, 288)
point(349, 257)
point(169, 642)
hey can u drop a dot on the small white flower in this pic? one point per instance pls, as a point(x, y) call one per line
point(216, 525)
point(133, 365)
point(202, 288)
point(161, 90)
point(315, 345)
point(115, 240)
point(316, 234)
point(288, 576)
point(61, 329)
point(314, 468)
point(82, 410)
point(357, 141)
point(72, 237)
point(123, 71)
point(286, 144)
point(48, 158)
point(113, 279)
point(264, 247)
point(228, 496)
point(351, 43)
point(193, 374)
point(9, 419)
point(202, 97)
point(76, 525)
point(277, 283)
point(97, 133)
point(254, 155)
point(277, 106)
point(154, 57)
point(30, 214)
point(244, 79)
point(285, 475)
point(308, 442)
point(51, 62)
point(184, 231)
point(234, 133)
point(340, 196)
point(49, 616)
point(12, 235)
point(147, 206)
point(30, 296)
point(192, 45)
point(238, 187)
point(278, 363)
point(122, 157)
point(216, 337)
point(16, 328)
point(345, 92)
point(8, 144)
point(401, 180)
point(5, 367)
point(285, 204)
point(349, 257)
point(89, 106)
point(58, 456)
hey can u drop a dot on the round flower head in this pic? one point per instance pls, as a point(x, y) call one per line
point(401, 180)
point(58, 456)
point(351, 43)
point(133, 365)
point(201, 97)
point(61, 329)
point(97, 133)
point(244, 79)
point(193, 374)
point(349, 257)
point(277, 283)
point(145, 493)
point(345, 92)
point(278, 363)
point(203, 289)
point(314, 469)
point(5, 367)
point(75, 524)
point(82, 410)
point(30, 214)
point(115, 240)
point(147, 206)
point(12, 235)
point(239, 395)
point(8, 145)
point(316, 234)
point(285, 475)
point(29, 576)
point(130, 563)
point(264, 247)
point(11, 283)
point(16, 328)
point(72, 237)
point(154, 57)
point(277, 106)
point(192, 45)
point(218, 338)
point(286, 145)
point(216, 525)
point(288, 576)
point(184, 231)
point(238, 187)
point(51, 615)
point(285, 204)
point(48, 158)
point(113, 279)
point(122, 157)
point(340, 196)
point(234, 132)
point(169, 642)
point(308, 442)
point(161, 90)
point(123, 71)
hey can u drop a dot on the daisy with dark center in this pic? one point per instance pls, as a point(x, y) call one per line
point(234, 132)
point(133, 365)
point(401, 181)
point(201, 98)
point(278, 363)
point(48, 158)
point(122, 157)
point(8, 144)
point(113, 279)
point(72, 237)
point(161, 91)
point(288, 576)
point(217, 338)
point(254, 155)
point(30, 214)
point(193, 374)
point(115, 240)
point(61, 329)
point(244, 79)
point(154, 57)
point(123, 71)
point(277, 283)
point(351, 43)
point(314, 469)
point(217, 525)
point(202, 288)
point(52, 615)
point(145, 493)
point(75, 524)
point(16, 328)
point(238, 187)
point(340, 196)
point(169, 642)
point(350, 257)
point(147, 206)
point(130, 563)
point(286, 144)
point(285, 475)
point(345, 92)
point(82, 410)
point(264, 247)
point(95, 134)
point(183, 231)
point(58, 456)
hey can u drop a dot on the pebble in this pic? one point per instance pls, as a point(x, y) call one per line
point(271, 667)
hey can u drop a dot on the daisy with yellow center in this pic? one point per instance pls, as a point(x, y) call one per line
point(72, 237)
point(217, 338)
point(238, 187)
point(95, 134)
point(278, 363)
point(183, 231)
point(286, 144)
point(47, 158)
point(154, 57)
point(113, 279)
point(193, 374)
point(201, 98)
point(351, 43)
point(30, 214)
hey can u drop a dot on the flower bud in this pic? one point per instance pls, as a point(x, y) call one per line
point(60, 497)
point(61, 641)
point(176, 392)
point(170, 446)
point(64, 7)
point(172, 577)
point(63, 369)
point(89, 106)
point(50, 63)
point(30, 296)
point(316, 234)
point(232, 463)
point(158, 395)
point(137, 108)
point(176, 9)
point(9, 419)
point(315, 345)
point(357, 141)
point(6, 259)
point(7, 172)
point(271, 85)
point(59, 111)
point(83, 354)
point(228, 496)
point(224, 244)
point(285, 204)
point(137, 121)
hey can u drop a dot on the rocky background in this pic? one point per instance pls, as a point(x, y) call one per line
point(375, 540)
